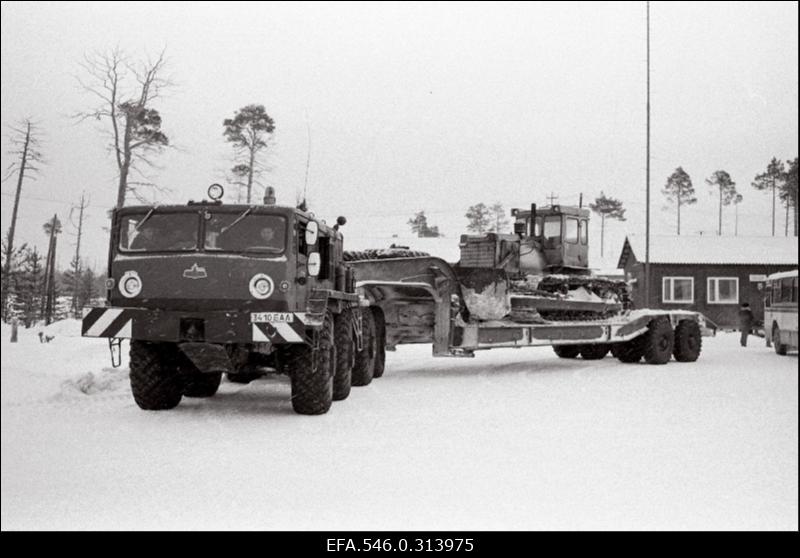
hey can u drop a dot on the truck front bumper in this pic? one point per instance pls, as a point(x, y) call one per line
point(208, 326)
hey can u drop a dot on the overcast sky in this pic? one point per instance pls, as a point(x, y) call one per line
point(419, 106)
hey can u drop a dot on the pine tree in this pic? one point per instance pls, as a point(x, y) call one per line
point(771, 179)
point(498, 218)
point(788, 193)
point(606, 207)
point(722, 181)
point(679, 190)
point(479, 217)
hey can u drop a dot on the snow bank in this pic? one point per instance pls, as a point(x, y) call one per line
point(511, 439)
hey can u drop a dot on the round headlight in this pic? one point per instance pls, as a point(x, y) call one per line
point(130, 285)
point(261, 286)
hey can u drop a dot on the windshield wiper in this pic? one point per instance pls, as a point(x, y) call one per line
point(146, 217)
point(247, 211)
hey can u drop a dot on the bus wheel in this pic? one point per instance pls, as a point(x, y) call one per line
point(364, 368)
point(567, 351)
point(311, 371)
point(688, 341)
point(658, 341)
point(776, 340)
point(156, 383)
point(343, 339)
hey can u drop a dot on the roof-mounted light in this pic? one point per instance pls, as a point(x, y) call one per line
point(216, 191)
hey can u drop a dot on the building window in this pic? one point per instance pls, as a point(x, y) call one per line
point(723, 290)
point(678, 290)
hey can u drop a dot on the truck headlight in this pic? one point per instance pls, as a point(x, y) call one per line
point(130, 285)
point(261, 286)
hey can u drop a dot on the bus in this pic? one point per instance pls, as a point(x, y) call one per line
point(780, 311)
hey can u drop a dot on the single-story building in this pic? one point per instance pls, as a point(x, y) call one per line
point(708, 273)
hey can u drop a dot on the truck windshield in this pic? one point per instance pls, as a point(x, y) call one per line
point(158, 232)
point(252, 232)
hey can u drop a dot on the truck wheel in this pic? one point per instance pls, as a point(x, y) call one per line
point(688, 341)
point(156, 383)
point(196, 383)
point(311, 371)
point(364, 368)
point(567, 351)
point(345, 353)
point(659, 341)
point(380, 344)
point(594, 352)
point(630, 351)
point(776, 340)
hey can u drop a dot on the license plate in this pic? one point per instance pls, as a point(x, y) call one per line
point(271, 317)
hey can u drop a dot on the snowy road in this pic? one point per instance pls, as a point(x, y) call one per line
point(512, 439)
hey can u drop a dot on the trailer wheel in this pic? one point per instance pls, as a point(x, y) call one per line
point(380, 344)
point(311, 371)
point(594, 352)
point(659, 341)
point(776, 341)
point(345, 353)
point(567, 351)
point(630, 351)
point(688, 341)
point(364, 368)
point(156, 383)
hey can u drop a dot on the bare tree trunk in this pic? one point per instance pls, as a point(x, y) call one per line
point(77, 270)
point(736, 226)
point(679, 213)
point(49, 275)
point(719, 231)
point(602, 232)
point(250, 176)
point(773, 207)
point(12, 228)
point(786, 225)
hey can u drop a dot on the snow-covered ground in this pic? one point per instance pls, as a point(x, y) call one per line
point(512, 439)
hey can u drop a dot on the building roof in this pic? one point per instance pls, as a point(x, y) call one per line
point(712, 249)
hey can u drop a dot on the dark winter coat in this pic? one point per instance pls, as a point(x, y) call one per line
point(746, 318)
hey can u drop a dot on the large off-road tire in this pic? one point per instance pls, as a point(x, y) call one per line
point(594, 352)
point(659, 341)
point(776, 341)
point(156, 383)
point(688, 341)
point(630, 351)
point(196, 383)
point(567, 351)
point(312, 374)
point(380, 343)
point(364, 367)
point(345, 354)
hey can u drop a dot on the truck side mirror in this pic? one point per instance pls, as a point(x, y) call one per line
point(312, 232)
point(314, 264)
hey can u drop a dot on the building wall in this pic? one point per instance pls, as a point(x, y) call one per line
point(724, 315)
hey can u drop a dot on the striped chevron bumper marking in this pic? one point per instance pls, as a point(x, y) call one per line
point(107, 322)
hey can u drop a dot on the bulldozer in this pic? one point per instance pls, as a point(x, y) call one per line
point(539, 273)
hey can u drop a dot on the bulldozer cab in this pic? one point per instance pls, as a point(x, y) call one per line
point(560, 234)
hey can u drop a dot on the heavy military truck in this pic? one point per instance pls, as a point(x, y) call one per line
point(206, 289)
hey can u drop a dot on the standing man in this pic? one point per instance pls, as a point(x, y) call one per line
point(746, 320)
